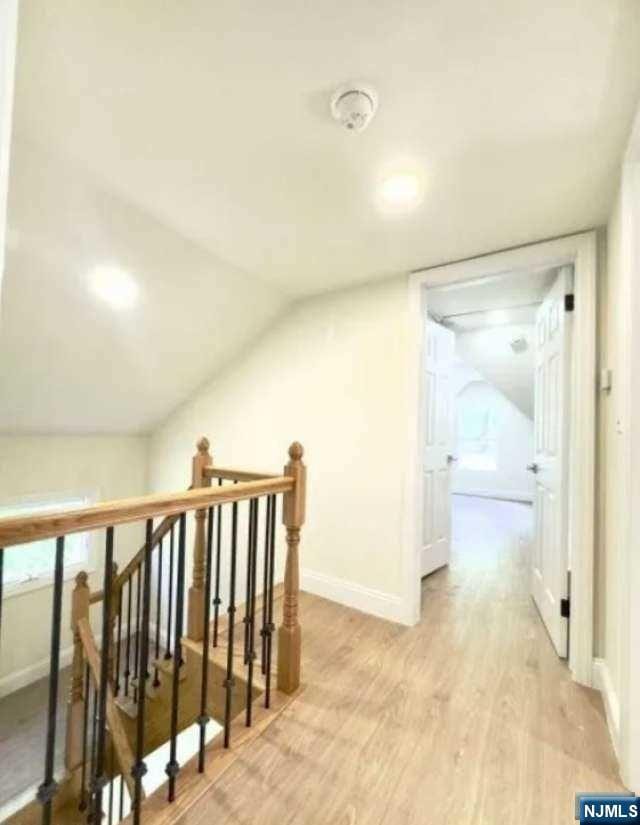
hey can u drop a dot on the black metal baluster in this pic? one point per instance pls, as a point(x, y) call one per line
point(121, 800)
point(112, 782)
point(100, 778)
point(253, 558)
point(92, 762)
point(173, 767)
point(156, 680)
point(136, 655)
point(217, 601)
point(116, 687)
point(265, 585)
point(48, 788)
point(140, 769)
point(203, 719)
point(247, 600)
point(167, 653)
point(230, 681)
point(85, 732)
point(127, 672)
point(270, 625)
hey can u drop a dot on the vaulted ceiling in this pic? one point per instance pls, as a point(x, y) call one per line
point(192, 143)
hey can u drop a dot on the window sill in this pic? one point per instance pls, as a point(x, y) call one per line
point(14, 589)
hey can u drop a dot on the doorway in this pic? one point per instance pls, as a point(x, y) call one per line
point(577, 253)
point(498, 360)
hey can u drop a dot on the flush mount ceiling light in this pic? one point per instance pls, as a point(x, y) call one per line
point(114, 286)
point(353, 106)
point(400, 192)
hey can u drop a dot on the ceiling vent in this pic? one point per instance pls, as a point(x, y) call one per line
point(354, 106)
point(519, 345)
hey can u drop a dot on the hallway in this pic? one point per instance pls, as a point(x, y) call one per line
point(467, 718)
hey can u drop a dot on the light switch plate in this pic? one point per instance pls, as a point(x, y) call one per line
point(606, 380)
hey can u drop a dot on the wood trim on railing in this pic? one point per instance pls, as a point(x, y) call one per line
point(231, 474)
point(116, 728)
point(32, 528)
point(158, 534)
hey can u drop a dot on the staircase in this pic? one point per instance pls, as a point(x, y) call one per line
point(175, 684)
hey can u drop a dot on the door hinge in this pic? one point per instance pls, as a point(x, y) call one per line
point(569, 302)
point(565, 608)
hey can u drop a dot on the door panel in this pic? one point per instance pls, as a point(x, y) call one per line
point(436, 544)
point(549, 554)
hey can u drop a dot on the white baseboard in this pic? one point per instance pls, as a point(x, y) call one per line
point(375, 602)
point(38, 670)
point(603, 682)
point(502, 495)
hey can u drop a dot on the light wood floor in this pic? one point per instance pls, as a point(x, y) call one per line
point(467, 718)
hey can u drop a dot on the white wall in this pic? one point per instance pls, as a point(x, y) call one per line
point(109, 467)
point(617, 671)
point(514, 449)
point(333, 374)
point(8, 22)
point(614, 426)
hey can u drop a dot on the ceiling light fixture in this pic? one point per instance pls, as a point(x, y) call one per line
point(114, 286)
point(497, 316)
point(401, 191)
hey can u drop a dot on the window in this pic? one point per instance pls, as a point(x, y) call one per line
point(477, 427)
point(35, 562)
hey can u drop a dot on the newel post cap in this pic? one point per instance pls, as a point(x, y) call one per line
point(296, 451)
point(203, 445)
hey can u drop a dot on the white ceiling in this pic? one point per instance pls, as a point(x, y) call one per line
point(469, 305)
point(214, 117)
point(192, 142)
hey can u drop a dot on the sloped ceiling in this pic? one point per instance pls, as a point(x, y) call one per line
point(191, 141)
point(488, 350)
point(483, 339)
point(70, 363)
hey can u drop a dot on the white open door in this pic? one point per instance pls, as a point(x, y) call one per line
point(436, 537)
point(549, 557)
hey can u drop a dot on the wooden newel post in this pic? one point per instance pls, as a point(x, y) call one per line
point(289, 634)
point(75, 704)
point(195, 617)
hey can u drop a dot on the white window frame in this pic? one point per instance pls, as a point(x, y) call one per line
point(490, 443)
point(19, 588)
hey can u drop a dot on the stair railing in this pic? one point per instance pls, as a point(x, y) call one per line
point(98, 746)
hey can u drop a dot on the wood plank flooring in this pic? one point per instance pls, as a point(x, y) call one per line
point(467, 718)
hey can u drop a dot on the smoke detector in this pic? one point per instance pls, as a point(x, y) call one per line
point(354, 106)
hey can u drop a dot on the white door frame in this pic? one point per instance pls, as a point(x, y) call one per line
point(579, 251)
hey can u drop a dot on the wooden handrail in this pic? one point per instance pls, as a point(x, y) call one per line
point(232, 474)
point(26, 529)
point(118, 733)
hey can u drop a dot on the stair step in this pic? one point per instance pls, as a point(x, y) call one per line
point(166, 666)
point(151, 690)
point(127, 706)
